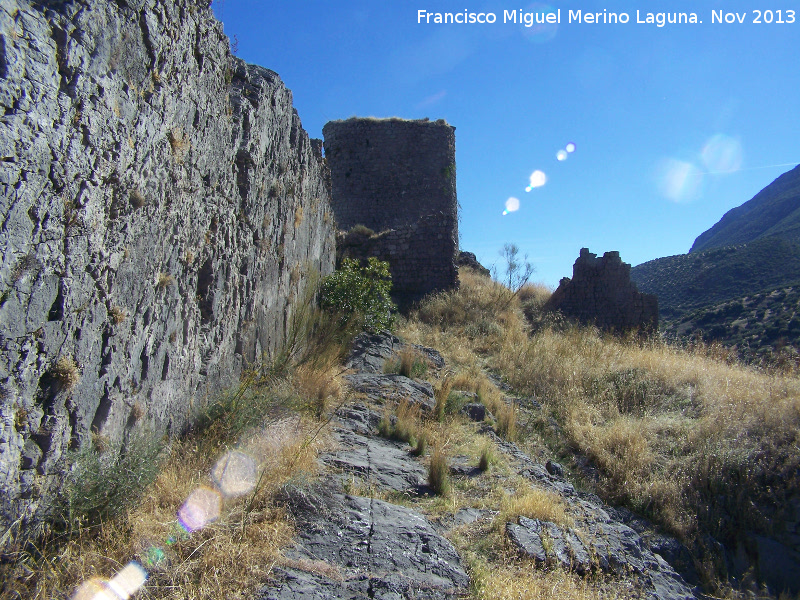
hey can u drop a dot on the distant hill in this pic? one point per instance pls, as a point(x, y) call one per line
point(757, 324)
point(689, 281)
point(773, 212)
point(740, 282)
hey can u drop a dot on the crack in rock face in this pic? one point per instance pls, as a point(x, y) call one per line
point(384, 463)
point(381, 550)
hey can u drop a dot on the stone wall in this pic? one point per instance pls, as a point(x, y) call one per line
point(398, 175)
point(601, 293)
point(162, 208)
point(417, 268)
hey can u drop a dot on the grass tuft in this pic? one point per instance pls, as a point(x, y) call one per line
point(441, 393)
point(533, 503)
point(487, 458)
point(66, 372)
point(439, 473)
point(164, 281)
point(409, 362)
point(118, 314)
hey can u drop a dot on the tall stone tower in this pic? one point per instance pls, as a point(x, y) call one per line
point(398, 178)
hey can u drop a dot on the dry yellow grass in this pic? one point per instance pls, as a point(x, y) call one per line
point(441, 392)
point(498, 572)
point(663, 423)
point(408, 362)
point(406, 423)
point(318, 386)
point(533, 503)
point(520, 580)
point(671, 430)
point(227, 558)
point(66, 371)
point(117, 314)
point(534, 293)
point(439, 472)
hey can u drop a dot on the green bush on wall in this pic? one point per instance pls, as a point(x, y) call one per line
point(360, 292)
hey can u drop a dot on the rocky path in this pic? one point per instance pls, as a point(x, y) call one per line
point(353, 546)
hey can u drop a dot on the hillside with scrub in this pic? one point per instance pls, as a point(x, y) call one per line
point(484, 450)
point(735, 286)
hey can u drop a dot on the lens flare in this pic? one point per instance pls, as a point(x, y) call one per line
point(120, 587)
point(93, 589)
point(234, 474)
point(570, 147)
point(562, 155)
point(512, 205)
point(678, 180)
point(154, 556)
point(128, 581)
point(538, 179)
point(538, 22)
point(203, 506)
point(722, 154)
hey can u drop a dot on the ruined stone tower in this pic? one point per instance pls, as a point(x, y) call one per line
point(398, 178)
point(602, 294)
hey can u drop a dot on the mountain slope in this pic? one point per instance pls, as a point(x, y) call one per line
point(735, 267)
point(691, 281)
point(774, 211)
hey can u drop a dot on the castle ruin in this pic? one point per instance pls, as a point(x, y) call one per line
point(398, 178)
point(602, 294)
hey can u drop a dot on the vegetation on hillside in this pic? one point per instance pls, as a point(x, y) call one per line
point(732, 286)
point(688, 282)
point(762, 328)
point(742, 297)
point(703, 446)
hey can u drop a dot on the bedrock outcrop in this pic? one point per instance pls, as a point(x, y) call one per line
point(162, 214)
point(353, 545)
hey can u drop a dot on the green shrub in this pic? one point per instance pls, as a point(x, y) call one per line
point(455, 402)
point(101, 485)
point(361, 292)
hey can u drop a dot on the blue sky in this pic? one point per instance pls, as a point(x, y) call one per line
point(672, 125)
